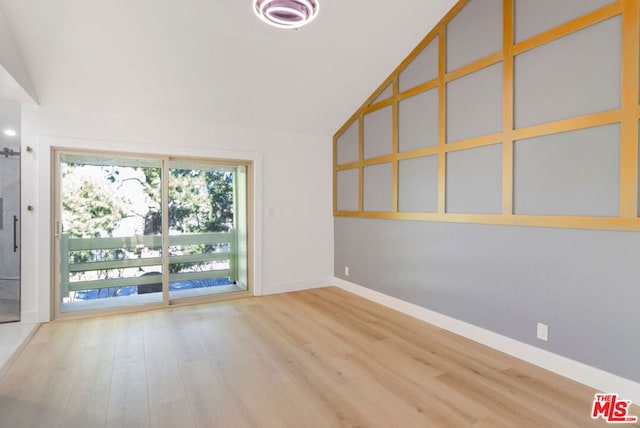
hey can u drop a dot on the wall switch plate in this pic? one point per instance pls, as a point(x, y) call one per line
point(543, 332)
point(346, 271)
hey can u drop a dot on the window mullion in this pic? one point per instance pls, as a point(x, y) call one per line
point(165, 231)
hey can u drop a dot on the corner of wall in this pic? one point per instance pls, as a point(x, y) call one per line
point(287, 287)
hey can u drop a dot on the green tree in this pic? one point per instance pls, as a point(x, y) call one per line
point(94, 204)
point(220, 188)
point(89, 208)
point(200, 201)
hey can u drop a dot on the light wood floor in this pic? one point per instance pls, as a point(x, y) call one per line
point(319, 358)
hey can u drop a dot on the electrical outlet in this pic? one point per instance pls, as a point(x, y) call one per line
point(543, 332)
point(346, 271)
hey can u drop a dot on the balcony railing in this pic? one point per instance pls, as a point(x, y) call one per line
point(69, 268)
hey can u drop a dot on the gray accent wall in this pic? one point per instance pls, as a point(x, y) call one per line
point(422, 69)
point(475, 32)
point(348, 185)
point(571, 76)
point(377, 189)
point(378, 139)
point(418, 121)
point(474, 104)
point(582, 283)
point(581, 173)
point(418, 184)
point(348, 145)
point(474, 180)
point(385, 94)
point(534, 17)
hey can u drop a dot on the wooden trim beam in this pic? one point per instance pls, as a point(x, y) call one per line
point(427, 86)
point(627, 116)
point(629, 128)
point(395, 143)
point(573, 222)
point(507, 109)
point(474, 66)
point(442, 121)
point(567, 28)
point(361, 158)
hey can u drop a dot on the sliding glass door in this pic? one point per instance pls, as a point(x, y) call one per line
point(207, 230)
point(135, 230)
point(109, 231)
point(9, 233)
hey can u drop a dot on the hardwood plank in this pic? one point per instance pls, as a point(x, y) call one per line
point(164, 384)
point(46, 403)
point(302, 403)
point(164, 380)
point(186, 341)
point(211, 404)
point(89, 397)
point(129, 341)
point(128, 399)
point(172, 415)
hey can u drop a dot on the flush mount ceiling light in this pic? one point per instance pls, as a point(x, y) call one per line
point(286, 13)
point(10, 132)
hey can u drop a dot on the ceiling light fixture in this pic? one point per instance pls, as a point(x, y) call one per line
point(10, 132)
point(286, 13)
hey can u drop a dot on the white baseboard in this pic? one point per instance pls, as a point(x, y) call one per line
point(29, 317)
point(591, 376)
point(287, 287)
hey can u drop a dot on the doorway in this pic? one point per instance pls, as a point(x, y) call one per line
point(134, 230)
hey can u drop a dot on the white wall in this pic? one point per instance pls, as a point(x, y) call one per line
point(294, 224)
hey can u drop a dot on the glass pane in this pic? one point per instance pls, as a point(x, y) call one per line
point(10, 213)
point(207, 229)
point(111, 240)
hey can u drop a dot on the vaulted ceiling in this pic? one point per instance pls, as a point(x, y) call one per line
point(212, 60)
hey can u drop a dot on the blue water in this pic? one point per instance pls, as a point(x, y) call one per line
point(133, 290)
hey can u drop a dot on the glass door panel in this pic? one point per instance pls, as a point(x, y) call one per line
point(109, 232)
point(147, 231)
point(9, 231)
point(207, 229)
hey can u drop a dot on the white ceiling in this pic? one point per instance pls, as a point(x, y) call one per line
point(213, 60)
